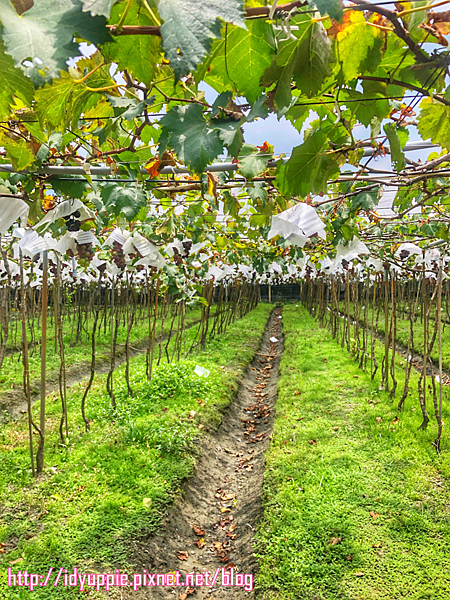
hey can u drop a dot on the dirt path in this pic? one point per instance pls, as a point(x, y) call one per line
point(222, 498)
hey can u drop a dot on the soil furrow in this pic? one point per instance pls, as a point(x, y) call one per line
point(212, 524)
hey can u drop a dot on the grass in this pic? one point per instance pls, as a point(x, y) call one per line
point(403, 332)
point(356, 500)
point(114, 483)
point(78, 355)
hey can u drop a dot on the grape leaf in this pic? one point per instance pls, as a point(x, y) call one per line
point(354, 42)
point(139, 54)
point(259, 110)
point(73, 189)
point(20, 154)
point(252, 162)
point(98, 7)
point(248, 54)
point(12, 83)
point(308, 168)
point(397, 156)
point(328, 7)
point(195, 141)
point(365, 201)
point(62, 102)
point(43, 36)
point(307, 60)
point(53, 102)
point(189, 27)
point(434, 122)
point(127, 199)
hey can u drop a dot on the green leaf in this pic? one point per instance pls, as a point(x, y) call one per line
point(365, 201)
point(53, 101)
point(138, 54)
point(373, 102)
point(397, 156)
point(20, 154)
point(12, 83)
point(44, 35)
point(259, 110)
point(257, 191)
point(308, 168)
point(189, 27)
point(297, 116)
point(73, 189)
point(248, 54)
point(328, 7)
point(221, 102)
point(231, 205)
point(306, 60)
point(354, 43)
point(252, 162)
point(434, 122)
point(127, 199)
point(98, 7)
point(190, 134)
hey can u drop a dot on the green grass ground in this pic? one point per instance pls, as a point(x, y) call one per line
point(115, 482)
point(357, 502)
point(78, 355)
point(403, 333)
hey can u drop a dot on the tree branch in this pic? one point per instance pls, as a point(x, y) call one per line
point(392, 16)
point(256, 11)
point(408, 86)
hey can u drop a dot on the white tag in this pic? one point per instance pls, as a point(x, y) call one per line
point(201, 372)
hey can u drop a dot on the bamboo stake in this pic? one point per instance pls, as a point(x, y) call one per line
point(41, 449)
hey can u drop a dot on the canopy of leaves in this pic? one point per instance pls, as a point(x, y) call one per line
point(190, 26)
point(135, 104)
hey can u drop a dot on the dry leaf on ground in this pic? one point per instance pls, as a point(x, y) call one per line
point(198, 530)
point(182, 555)
point(335, 540)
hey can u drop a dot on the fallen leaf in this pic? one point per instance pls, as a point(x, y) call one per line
point(187, 593)
point(226, 497)
point(224, 510)
point(230, 565)
point(147, 502)
point(312, 442)
point(395, 420)
point(377, 545)
point(335, 541)
point(336, 428)
point(225, 559)
point(14, 562)
point(379, 419)
point(359, 574)
point(232, 527)
point(182, 555)
point(200, 543)
point(198, 530)
point(349, 557)
point(373, 514)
